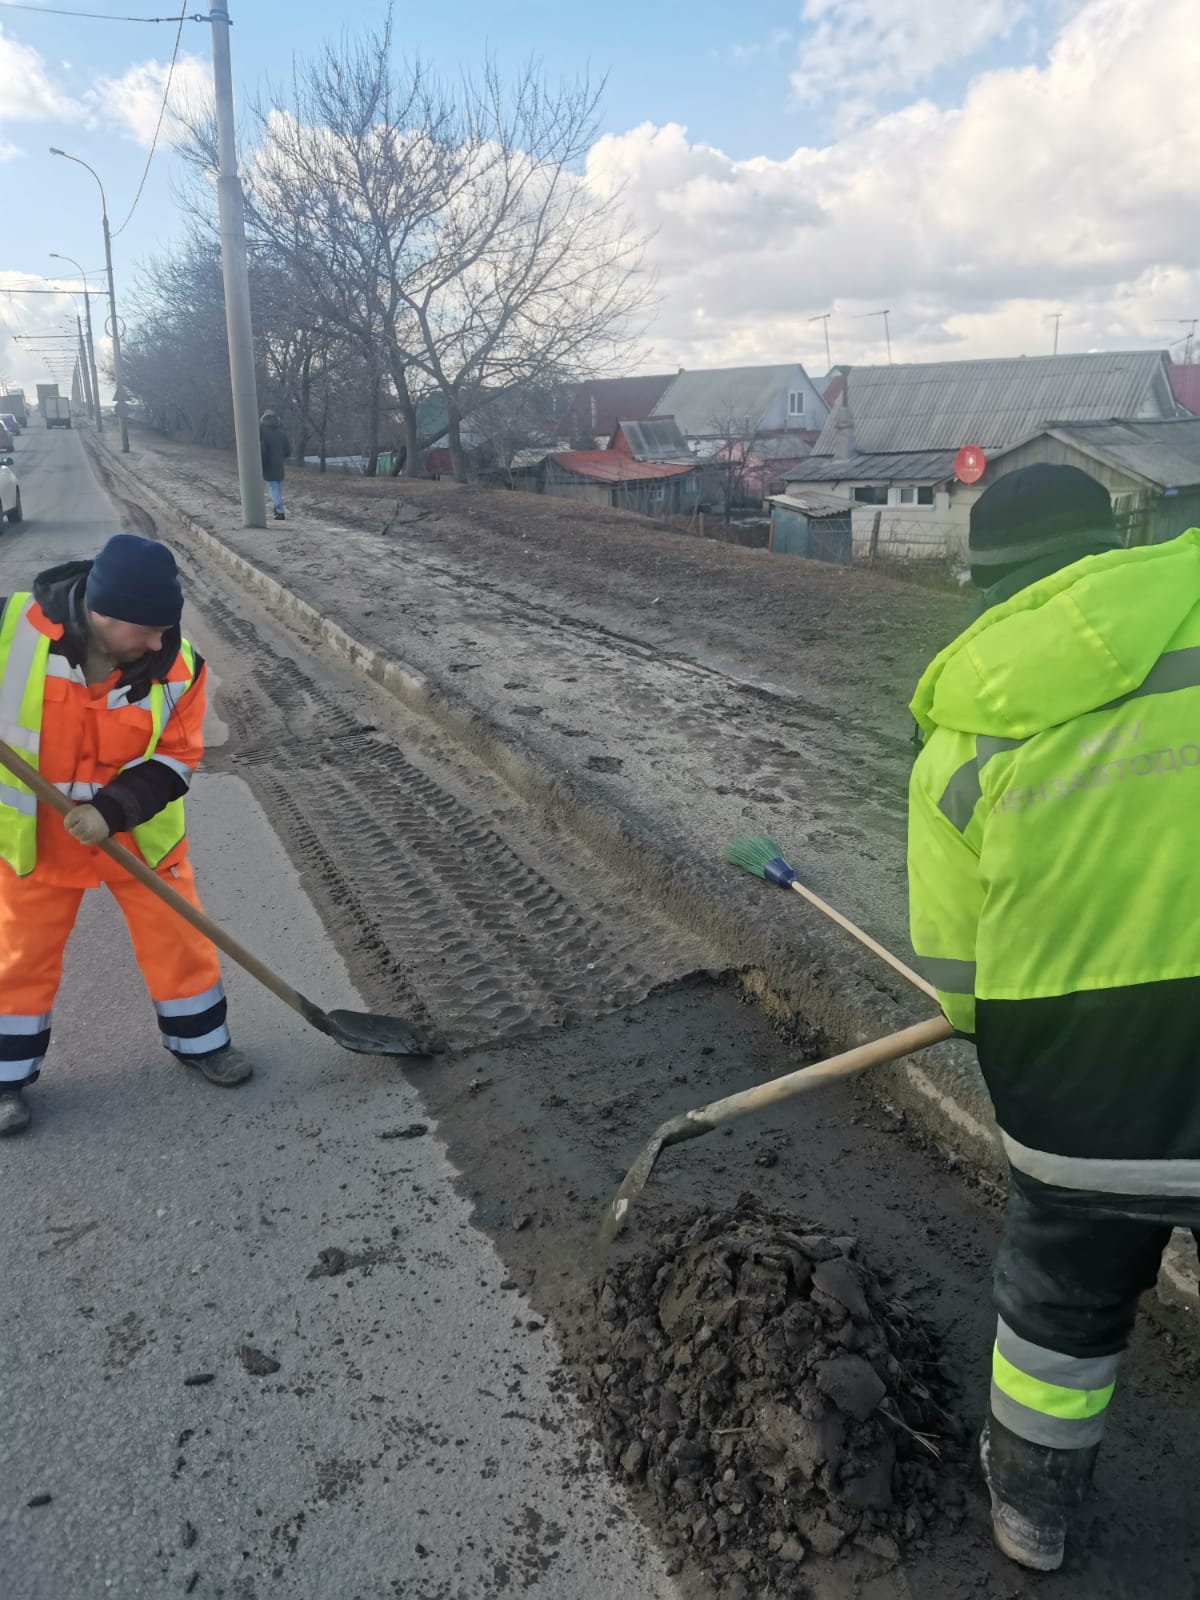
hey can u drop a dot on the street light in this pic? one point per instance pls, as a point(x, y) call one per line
point(118, 370)
point(91, 348)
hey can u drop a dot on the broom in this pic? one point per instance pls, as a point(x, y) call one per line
point(763, 858)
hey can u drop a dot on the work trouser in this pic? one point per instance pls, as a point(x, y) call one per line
point(178, 964)
point(1067, 1285)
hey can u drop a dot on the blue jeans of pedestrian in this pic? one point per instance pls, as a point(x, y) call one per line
point(275, 490)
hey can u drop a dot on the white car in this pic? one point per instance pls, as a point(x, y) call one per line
point(10, 491)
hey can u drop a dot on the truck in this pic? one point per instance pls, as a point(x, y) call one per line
point(44, 392)
point(13, 404)
point(56, 409)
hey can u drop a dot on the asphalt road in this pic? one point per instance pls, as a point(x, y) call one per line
point(419, 1438)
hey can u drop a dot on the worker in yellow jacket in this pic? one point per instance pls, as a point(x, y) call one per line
point(1054, 881)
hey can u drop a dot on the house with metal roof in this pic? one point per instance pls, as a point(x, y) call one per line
point(613, 478)
point(891, 443)
point(717, 405)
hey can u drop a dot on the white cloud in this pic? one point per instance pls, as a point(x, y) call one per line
point(863, 48)
point(29, 94)
point(1074, 186)
point(132, 101)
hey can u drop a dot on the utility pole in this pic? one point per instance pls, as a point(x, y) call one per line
point(115, 330)
point(1056, 318)
point(91, 345)
point(235, 276)
point(824, 317)
point(85, 371)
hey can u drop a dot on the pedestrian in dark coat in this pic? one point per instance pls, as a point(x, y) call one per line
point(276, 448)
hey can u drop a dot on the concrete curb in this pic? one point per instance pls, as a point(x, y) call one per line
point(786, 980)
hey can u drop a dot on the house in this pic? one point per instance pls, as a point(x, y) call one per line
point(890, 445)
point(1150, 469)
point(590, 411)
point(755, 470)
point(717, 406)
point(612, 478)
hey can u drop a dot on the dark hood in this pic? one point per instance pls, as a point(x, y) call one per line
point(60, 593)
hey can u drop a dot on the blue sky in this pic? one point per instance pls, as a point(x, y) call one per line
point(897, 108)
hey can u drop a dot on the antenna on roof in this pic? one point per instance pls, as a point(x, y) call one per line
point(824, 317)
point(887, 332)
point(1056, 318)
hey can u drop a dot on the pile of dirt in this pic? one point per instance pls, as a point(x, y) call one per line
point(757, 1379)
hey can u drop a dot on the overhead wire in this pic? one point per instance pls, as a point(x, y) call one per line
point(94, 16)
point(162, 111)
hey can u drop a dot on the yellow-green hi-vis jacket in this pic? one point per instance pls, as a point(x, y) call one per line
point(1054, 870)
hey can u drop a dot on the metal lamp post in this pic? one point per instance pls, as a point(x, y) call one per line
point(118, 369)
point(91, 347)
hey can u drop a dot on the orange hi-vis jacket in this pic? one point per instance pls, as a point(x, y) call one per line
point(89, 733)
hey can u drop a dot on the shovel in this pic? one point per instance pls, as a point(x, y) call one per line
point(362, 1031)
point(692, 1124)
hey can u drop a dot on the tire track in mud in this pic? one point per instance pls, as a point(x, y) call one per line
point(490, 935)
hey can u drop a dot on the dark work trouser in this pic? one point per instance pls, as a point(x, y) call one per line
point(1067, 1284)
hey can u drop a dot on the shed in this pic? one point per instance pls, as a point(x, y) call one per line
point(811, 524)
point(607, 478)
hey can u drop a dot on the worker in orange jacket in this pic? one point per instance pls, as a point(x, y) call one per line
point(102, 693)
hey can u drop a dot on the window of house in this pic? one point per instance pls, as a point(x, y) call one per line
point(796, 403)
point(871, 494)
point(656, 494)
point(908, 495)
point(925, 495)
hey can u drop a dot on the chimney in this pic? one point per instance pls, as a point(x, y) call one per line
point(843, 433)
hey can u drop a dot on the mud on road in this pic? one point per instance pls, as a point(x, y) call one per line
point(582, 1021)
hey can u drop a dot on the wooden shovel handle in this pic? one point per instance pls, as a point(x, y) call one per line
point(137, 868)
point(856, 932)
point(874, 1054)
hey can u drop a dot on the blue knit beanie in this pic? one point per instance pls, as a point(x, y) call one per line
point(136, 580)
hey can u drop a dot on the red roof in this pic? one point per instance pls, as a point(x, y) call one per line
point(609, 466)
point(1185, 386)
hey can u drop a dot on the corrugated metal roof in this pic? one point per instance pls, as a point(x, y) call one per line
point(943, 405)
point(811, 503)
point(1185, 386)
point(700, 401)
point(653, 438)
point(913, 466)
point(1167, 454)
point(617, 397)
point(607, 466)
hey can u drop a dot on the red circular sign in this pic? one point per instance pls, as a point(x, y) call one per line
point(970, 464)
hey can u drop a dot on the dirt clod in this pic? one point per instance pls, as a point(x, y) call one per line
point(197, 1379)
point(330, 1263)
point(414, 1130)
point(187, 1537)
point(256, 1362)
point(755, 1377)
point(39, 1500)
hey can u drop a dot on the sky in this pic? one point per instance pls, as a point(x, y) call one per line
point(973, 166)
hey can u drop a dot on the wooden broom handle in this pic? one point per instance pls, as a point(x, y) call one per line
point(856, 932)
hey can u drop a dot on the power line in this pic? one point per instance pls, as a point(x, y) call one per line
point(95, 16)
point(162, 111)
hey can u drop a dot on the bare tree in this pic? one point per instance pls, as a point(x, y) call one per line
point(734, 456)
point(451, 236)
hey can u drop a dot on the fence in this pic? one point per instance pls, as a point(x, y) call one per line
point(929, 551)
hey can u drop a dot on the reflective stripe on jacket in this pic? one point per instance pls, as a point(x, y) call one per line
point(1054, 872)
point(81, 736)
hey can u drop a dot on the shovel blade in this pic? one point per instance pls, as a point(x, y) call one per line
point(373, 1035)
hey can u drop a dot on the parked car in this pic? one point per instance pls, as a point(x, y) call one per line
point(10, 423)
point(6, 441)
point(10, 491)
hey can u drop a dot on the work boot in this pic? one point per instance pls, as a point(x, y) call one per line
point(1033, 1488)
point(281, 516)
point(226, 1068)
point(14, 1112)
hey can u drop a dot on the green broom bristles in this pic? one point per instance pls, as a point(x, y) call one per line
point(752, 851)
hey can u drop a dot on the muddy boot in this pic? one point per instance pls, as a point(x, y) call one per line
point(14, 1112)
point(281, 516)
point(1033, 1490)
point(226, 1068)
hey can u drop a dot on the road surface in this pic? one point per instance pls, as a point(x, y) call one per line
point(419, 1438)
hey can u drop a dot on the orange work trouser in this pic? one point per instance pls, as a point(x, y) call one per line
point(178, 964)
